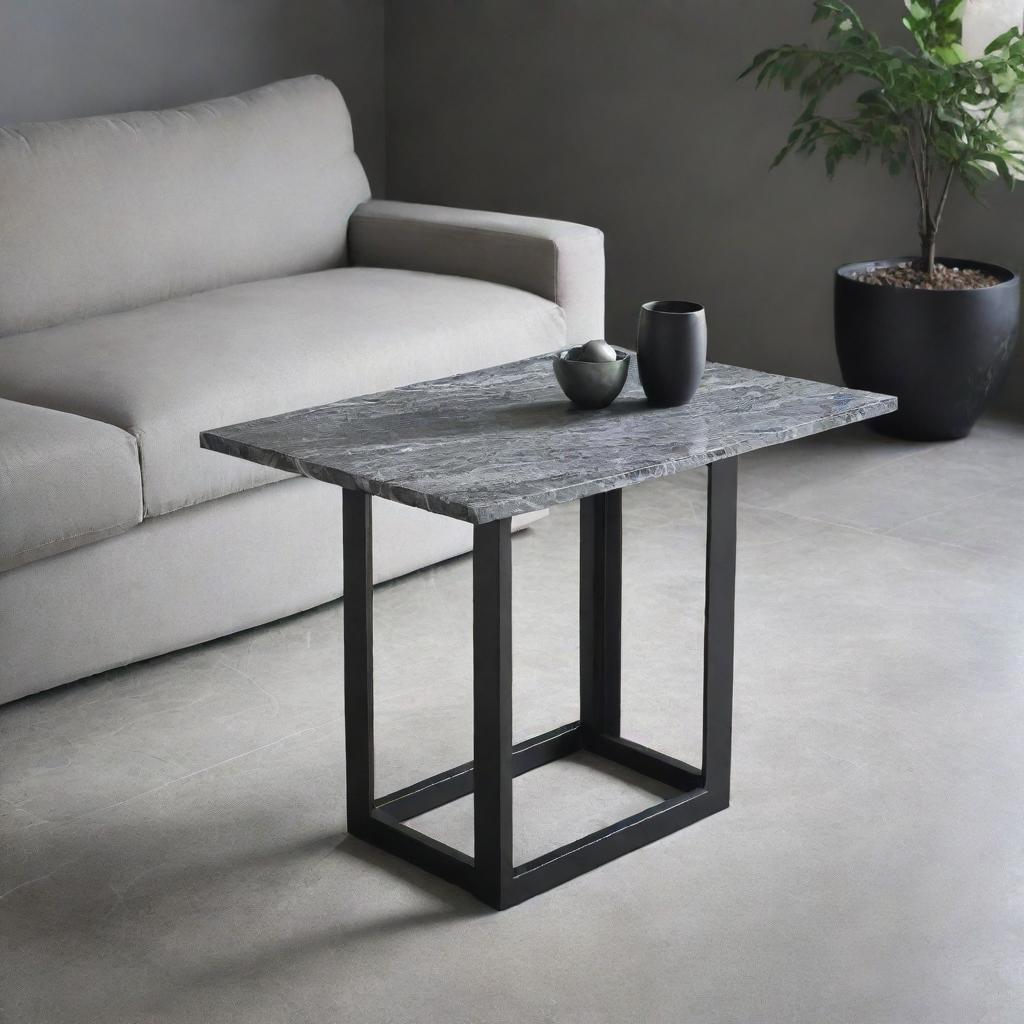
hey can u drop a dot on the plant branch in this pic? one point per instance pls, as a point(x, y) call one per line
point(922, 195)
point(934, 108)
point(937, 219)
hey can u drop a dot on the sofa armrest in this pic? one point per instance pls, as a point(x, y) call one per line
point(557, 260)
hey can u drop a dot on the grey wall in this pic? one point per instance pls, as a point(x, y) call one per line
point(67, 58)
point(626, 114)
point(620, 113)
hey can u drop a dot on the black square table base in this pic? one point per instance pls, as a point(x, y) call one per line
point(490, 874)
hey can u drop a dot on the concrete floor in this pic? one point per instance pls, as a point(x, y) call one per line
point(173, 840)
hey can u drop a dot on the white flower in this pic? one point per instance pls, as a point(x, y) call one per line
point(845, 25)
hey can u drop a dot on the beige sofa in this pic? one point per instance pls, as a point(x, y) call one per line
point(166, 272)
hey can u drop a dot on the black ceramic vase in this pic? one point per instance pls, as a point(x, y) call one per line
point(671, 349)
point(941, 353)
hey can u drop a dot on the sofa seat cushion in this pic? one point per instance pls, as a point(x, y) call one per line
point(168, 371)
point(65, 481)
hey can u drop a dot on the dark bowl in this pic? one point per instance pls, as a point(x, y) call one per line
point(591, 385)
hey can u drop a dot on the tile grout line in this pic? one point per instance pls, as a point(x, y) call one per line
point(889, 530)
point(182, 778)
point(923, 542)
point(947, 508)
point(21, 885)
point(812, 519)
point(889, 533)
point(889, 461)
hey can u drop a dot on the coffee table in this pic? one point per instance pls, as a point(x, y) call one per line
point(483, 447)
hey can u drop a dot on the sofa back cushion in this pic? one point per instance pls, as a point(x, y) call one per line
point(101, 214)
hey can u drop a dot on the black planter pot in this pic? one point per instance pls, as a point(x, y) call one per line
point(941, 353)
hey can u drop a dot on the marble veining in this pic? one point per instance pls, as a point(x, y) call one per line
point(497, 442)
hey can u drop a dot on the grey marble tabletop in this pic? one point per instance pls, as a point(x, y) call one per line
point(485, 445)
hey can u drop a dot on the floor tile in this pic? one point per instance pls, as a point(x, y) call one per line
point(172, 834)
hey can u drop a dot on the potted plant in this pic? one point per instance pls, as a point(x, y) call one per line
point(936, 332)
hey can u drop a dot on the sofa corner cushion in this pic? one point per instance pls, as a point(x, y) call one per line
point(99, 214)
point(169, 371)
point(65, 481)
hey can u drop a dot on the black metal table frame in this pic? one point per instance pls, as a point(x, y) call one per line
point(490, 874)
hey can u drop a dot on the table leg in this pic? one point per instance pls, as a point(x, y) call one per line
point(490, 873)
point(492, 710)
point(720, 590)
point(357, 545)
point(601, 613)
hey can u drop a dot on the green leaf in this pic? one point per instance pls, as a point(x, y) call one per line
point(758, 61)
point(1001, 166)
point(1000, 42)
point(952, 54)
point(930, 97)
